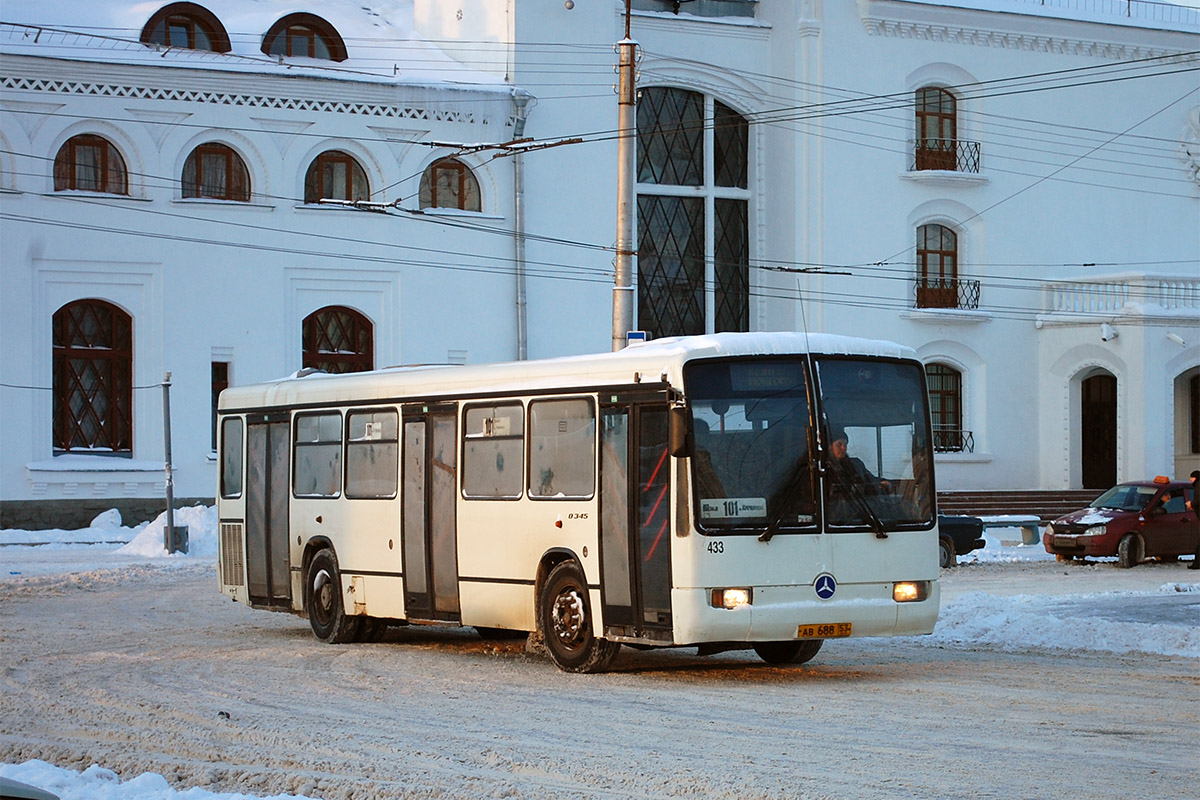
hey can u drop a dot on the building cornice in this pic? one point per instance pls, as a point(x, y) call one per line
point(1016, 31)
point(50, 77)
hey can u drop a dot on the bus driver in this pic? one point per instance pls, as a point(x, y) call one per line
point(849, 470)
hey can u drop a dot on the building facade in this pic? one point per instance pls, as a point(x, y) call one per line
point(233, 191)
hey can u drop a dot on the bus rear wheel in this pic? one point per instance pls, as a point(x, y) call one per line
point(794, 652)
point(323, 601)
point(565, 622)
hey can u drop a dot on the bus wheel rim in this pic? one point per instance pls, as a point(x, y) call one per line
point(569, 616)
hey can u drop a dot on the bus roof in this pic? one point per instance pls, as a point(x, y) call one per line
point(648, 361)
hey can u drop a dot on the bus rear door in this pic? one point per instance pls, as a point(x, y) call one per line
point(429, 528)
point(268, 569)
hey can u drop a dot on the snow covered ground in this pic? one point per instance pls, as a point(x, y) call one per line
point(1007, 597)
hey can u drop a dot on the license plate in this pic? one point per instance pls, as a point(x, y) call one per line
point(830, 630)
point(1066, 541)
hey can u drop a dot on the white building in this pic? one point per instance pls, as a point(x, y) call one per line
point(1011, 187)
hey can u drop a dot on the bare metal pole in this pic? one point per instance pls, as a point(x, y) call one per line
point(520, 101)
point(169, 531)
point(626, 131)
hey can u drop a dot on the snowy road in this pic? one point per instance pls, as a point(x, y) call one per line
point(145, 668)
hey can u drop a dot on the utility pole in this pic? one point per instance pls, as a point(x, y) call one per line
point(626, 142)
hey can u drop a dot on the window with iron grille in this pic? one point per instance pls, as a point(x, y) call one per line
point(186, 25)
point(937, 129)
point(945, 407)
point(335, 175)
point(693, 214)
point(337, 339)
point(214, 171)
point(90, 163)
point(93, 378)
point(304, 35)
point(449, 183)
point(937, 266)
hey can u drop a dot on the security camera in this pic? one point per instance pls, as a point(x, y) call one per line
point(1107, 332)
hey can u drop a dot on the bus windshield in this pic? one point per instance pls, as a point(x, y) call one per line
point(752, 461)
point(878, 459)
point(752, 426)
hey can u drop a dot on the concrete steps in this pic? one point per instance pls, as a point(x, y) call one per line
point(1047, 505)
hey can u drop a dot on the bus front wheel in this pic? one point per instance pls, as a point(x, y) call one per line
point(794, 652)
point(565, 622)
point(323, 601)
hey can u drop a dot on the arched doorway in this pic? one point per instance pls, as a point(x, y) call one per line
point(1187, 422)
point(1098, 429)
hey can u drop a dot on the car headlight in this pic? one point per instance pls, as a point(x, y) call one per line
point(1050, 530)
point(1096, 530)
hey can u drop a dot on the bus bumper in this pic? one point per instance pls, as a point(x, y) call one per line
point(777, 613)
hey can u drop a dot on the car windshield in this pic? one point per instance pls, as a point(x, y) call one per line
point(1125, 498)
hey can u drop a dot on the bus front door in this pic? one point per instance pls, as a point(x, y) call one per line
point(635, 520)
point(268, 571)
point(429, 530)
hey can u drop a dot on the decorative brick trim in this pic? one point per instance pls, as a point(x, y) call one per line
point(53, 86)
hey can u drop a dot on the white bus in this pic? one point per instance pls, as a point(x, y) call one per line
point(740, 490)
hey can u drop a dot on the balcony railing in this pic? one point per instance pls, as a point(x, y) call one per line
point(946, 293)
point(952, 440)
point(1119, 294)
point(951, 155)
point(1133, 9)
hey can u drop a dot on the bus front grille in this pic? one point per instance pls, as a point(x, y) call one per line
point(232, 550)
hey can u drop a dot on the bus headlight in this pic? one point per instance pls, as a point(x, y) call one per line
point(731, 598)
point(910, 591)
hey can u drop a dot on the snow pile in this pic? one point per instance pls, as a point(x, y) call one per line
point(97, 783)
point(1075, 622)
point(201, 522)
point(997, 551)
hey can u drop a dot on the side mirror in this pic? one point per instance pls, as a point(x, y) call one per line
point(679, 438)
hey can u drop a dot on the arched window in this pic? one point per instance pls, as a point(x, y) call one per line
point(304, 35)
point(937, 129)
point(693, 214)
point(335, 175)
point(93, 378)
point(186, 25)
point(937, 267)
point(90, 163)
point(216, 172)
point(946, 409)
point(449, 183)
point(338, 339)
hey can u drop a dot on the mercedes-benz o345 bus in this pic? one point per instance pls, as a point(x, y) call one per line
point(741, 490)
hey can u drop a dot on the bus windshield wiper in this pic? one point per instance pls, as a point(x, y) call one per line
point(860, 501)
point(785, 497)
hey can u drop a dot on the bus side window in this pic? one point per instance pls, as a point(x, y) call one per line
point(562, 449)
point(372, 454)
point(231, 458)
point(318, 456)
point(493, 451)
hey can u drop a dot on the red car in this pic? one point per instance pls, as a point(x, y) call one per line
point(1132, 521)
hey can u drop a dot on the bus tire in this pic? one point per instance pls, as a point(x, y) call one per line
point(323, 601)
point(797, 651)
point(371, 629)
point(565, 622)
